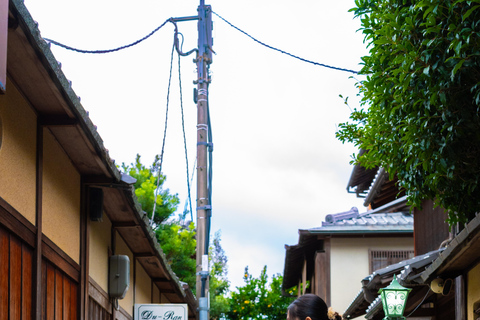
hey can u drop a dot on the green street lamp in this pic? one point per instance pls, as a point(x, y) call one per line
point(394, 299)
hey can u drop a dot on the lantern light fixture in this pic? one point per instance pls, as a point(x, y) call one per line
point(394, 300)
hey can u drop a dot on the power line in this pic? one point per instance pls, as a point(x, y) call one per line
point(184, 136)
point(284, 52)
point(176, 32)
point(109, 50)
point(164, 137)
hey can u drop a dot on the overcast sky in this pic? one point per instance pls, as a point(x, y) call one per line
point(277, 166)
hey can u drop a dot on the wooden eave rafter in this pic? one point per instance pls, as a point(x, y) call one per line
point(36, 73)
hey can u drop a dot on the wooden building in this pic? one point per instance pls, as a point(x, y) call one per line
point(444, 275)
point(57, 231)
point(329, 260)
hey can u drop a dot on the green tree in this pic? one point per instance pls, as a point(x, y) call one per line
point(419, 116)
point(179, 244)
point(177, 241)
point(147, 178)
point(259, 299)
point(219, 304)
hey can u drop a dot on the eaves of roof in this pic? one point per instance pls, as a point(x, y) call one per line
point(409, 271)
point(461, 253)
point(365, 225)
point(52, 96)
point(379, 180)
point(368, 223)
point(294, 258)
point(358, 230)
point(361, 178)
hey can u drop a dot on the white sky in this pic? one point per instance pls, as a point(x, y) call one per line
point(277, 166)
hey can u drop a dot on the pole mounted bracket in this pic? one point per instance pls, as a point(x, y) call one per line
point(208, 207)
point(208, 144)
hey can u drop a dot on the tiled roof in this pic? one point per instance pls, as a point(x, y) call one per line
point(366, 222)
point(409, 274)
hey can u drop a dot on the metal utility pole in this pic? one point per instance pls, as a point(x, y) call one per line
point(203, 60)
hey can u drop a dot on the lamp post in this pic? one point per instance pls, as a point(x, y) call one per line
point(394, 299)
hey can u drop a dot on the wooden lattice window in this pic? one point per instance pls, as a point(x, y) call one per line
point(381, 258)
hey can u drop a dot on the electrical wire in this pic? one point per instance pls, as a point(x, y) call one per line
point(193, 50)
point(164, 137)
point(284, 52)
point(109, 50)
point(183, 129)
point(209, 178)
point(177, 46)
point(428, 291)
point(188, 201)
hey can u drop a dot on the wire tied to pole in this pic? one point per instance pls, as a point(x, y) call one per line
point(177, 46)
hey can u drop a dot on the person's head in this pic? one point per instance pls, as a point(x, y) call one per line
point(308, 307)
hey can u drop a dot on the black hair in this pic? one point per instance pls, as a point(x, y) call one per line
point(308, 305)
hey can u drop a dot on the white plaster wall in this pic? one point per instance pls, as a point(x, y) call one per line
point(349, 265)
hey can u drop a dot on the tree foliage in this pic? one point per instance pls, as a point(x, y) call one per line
point(419, 117)
point(178, 241)
point(219, 284)
point(145, 186)
point(179, 244)
point(259, 299)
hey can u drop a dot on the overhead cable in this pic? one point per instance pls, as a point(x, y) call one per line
point(193, 50)
point(110, 50)
point(284, 52)
point(183, 130)
point(164, 137)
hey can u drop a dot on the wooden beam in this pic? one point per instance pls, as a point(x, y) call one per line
point(128, 224)
point(328, 284)
point(113, 244)
point(96, 180)
point(37, 273)
point(167, 291)
point(460, 298)
point(57, 121)
point(84, 272)
point(144, 255)
point(3, 43)
point(17, 223)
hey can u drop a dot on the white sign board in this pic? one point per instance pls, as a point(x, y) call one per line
point(172, 311)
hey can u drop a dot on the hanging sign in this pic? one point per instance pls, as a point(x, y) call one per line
point(163, 311)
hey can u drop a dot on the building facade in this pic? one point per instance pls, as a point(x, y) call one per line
point(65, 209)
point(444, 274)
point(329, 260)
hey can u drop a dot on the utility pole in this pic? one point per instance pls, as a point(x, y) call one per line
point(203, 60)
point(204, 150)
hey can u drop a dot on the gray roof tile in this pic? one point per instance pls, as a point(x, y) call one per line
point(366, 222)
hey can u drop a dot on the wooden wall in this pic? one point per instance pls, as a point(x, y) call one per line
point(16, 265)
point(97, 312)
point(60, 292)
point(60, 296)
point(430, 228)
